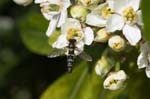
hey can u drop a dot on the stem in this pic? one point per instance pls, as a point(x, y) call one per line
point(117, 66)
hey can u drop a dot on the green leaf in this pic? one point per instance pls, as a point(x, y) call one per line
point(83, 83)
point(2, 3)
point(8, 60)
point(33, 28)
point(67, 86)
point(146, 20)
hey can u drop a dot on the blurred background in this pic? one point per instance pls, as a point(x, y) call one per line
point(26, 72)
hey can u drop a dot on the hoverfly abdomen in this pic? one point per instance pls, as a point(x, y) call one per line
point(71, 55)
point(70, 62)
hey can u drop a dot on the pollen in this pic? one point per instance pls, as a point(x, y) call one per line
point(72, 33)
point(130, 16)
point(105, 12)
point(117, 45)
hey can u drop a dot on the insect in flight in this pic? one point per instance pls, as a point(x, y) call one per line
point(70, 49)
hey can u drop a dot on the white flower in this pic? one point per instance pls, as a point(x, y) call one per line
point(72, 29)
point(23, 2)
point(55, 11)
point(126, 18)
point(115, 80)
point(143, 60)
point(117, 43)
point(98, 17)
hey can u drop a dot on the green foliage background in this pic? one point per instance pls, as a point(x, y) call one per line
point(27, 73)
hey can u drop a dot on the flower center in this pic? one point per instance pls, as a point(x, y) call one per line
point(51, 7)
point(130, 16)
point(117, 45)
point(105, 12)
point(73, 33)
point(113, 81)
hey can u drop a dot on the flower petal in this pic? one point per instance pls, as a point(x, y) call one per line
point(40, 1)
point(142, 61)
point(61, 42)
point(70, 23)
point(80, 46)
point(66, 4)
point(140, 21)
point(145, 48)
point(63, 16)
point(95, 20)
point(132, 34)
point(147, 70)
point(52, 25)
point(58, 2)
point(134, 3)
point(47, 16)
point(99, 7)
point(88, 35)
point(114, 22)
point(118, 5)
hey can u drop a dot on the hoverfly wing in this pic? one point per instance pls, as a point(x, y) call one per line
point(56, 53)
point(85, 56)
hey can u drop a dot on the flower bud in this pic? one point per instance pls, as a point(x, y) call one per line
point(23, 2)
point(79, 12)
point(117, 43)
point(102, 36)
point(115, 80)
point(102, 66)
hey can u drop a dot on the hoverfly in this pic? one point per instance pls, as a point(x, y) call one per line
point(70, 49)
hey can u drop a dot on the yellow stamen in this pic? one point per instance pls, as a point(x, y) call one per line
point(117, 45)
point(105, 12)
point(130, 16)
point(72, 33)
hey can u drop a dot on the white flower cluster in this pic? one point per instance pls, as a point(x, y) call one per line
point(116, 22)
point(109, 17)
point(56, 11)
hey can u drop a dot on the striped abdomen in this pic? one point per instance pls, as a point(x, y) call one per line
point(71, 55)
